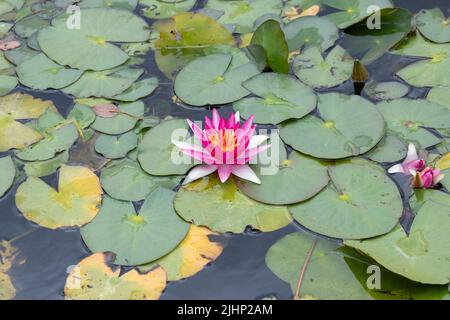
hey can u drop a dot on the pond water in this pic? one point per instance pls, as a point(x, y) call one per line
point(240, 272)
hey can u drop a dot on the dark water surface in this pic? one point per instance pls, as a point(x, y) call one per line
point(239, 273)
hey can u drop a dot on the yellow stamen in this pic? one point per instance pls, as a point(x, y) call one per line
point(225, 139)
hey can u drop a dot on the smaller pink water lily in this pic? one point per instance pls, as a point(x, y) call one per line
point(427, 178)
point(411, 162)
point(226, 147)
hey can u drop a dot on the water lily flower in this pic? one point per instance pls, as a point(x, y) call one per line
point(427, 178)
point(226, 147)
point(411, 162)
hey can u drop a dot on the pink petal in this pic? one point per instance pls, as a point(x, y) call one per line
point(215, 119)
point(246, 173)
point(237, 117)
point(398, 168)
point(248, 124)
point(224, 172)
point(231, 122)
point(250, 153)
point(199, 172)
point(106, 110)
point(198, 133)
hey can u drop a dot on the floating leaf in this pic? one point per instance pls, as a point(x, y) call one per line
point(118, 229)
point(28, 26)
point(421, 255)
point(360, 202)
point(281, 98)
point(94, 50)
point(82, 114)
point(114, 147)
point(311, 31)
point(8, 174)
point(421, 196)
point(298, 178)
point(7, 84)
point(138, 90)
point(408, 119)
point(121, 122)
point(348, 126)
point(222, 208)
point(157, 9)
point(74, 204)
point(317, 72)
point(390, 149)
point(46, 167)
point(119, 4)
point(389, 90)
point(106, 110)
point(15, 135)
point(440, 95)
point(191, 256)
point(41, 73)
point(9, 45)
point(433, 25)
point(157, 152)
point(95, 278)
point(5, 27)
point(443, 163)
point(214, 79)
point(8, 254)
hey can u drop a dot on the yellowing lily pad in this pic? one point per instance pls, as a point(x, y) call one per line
point(222, 208)
point(74, 204)
point(444, 164)
point(95, 278)
point(8, 254)
point(191, 256)
point(23, 106)
point(8, 170)
point(15, 135)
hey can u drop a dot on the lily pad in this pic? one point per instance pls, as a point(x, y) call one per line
point(423, 254)
point(157, 9)
point(123, 121)
point(348, 126)
point(118, 229)
point(191, 256)
point(360, 202)
point(93, 40)
point(73, 205)
point(46, 167)
point(115, 147)
point(408, 119)
point(311, 32)
point(281, 97)
point(106, 83)
point(440, 95)
point(95, 278)
point(156, 153)
point(8, 174)
point(83, 115)
point(433, 25)
point(298, 179)
point(118, 4)
point(353, 11)
point(41, 73)
point(389, 90)
point(214, 79)
point(443, 163)
point(138, 90)
point(27, 26)
point(7, 83)
point(222, 208)
point(15, 135)
point(318, 72)
point(125, 180)
point(390, 149)
point(421, 196)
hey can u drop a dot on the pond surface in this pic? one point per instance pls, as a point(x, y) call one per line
point(240, 272)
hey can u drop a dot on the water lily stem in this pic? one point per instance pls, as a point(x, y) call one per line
point(303, 270)
point(23, 235)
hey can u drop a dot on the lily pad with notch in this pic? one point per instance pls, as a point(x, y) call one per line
point(125, 120)
point(433, 25)
point(115, 147)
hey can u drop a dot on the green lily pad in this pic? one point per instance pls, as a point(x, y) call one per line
point(27, 26)
point(212, 80)
point(353, 11)
point(4, 28)
point(243, 14)
point(94, 51)
point(360, 202)
point(349, 126)
point(318, 72)
point(74, 204)
point(408, 119)
point(41, 73)
point(156, 151)
point(125, 180)
point(423, 254)
point(298, 179)
point(440, 95)
point(157, 9)
point(118, 4)
point(138, 90)
point(281, 97)
point(389, 90)
point(115, 147)
point(83, 115)
point(311, 31)
point(421, 196)
point(47, 167)
point(118, 229)
point(433, 25)
point(10, 5)
point(125, 120)
point(390, 149)
point(8, 174)
point(222, 208)
point(7, 83)
point(106, 83)
point(20, 54)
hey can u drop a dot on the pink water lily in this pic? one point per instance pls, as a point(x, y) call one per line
point(427, 178)
point(226, 147)
point(411, 162)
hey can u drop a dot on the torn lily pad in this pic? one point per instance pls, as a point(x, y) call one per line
point(123, 121)
point(47, 167)
point(390, 149)
point(8, 174)
point(138, 90)
point(74, 204)
point(281, 97)
point(96, 278)
point(223, 208)
point(119, 229)
point(347, 126)
point(318, 72)
point(433, 25)
point(389, 90)
point(115, 147)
